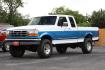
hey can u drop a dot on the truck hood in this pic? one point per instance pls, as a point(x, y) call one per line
point(31, 27)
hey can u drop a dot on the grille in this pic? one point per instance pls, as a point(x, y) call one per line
point(18, 33)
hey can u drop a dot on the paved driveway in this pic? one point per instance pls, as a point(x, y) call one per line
point(72, 60)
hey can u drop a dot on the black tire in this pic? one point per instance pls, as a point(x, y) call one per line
point(5, 47)
point(87, 46)
point(16, 51)
point(61, 50)
point(45, 49)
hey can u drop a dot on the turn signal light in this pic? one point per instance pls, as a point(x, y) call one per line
point(33, 34)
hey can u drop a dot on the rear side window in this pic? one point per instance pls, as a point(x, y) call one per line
point(72, 22)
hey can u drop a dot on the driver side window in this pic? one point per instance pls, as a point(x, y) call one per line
point(62, 21)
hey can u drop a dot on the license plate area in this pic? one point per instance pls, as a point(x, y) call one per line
point(16, 43)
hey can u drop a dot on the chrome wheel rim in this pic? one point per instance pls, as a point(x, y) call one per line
point(89, 46)
point(47, 49)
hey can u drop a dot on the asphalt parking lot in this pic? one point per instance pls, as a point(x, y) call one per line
point(72, 60)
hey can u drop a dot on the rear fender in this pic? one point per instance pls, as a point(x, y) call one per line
point(88, 35)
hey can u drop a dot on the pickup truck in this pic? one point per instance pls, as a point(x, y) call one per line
point(45, 32)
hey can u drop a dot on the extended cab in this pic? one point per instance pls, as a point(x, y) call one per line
point(45, 32)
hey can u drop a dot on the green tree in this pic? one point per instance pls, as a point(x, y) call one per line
point(3, 14)
point(98, 18)
point(80, 19)
point(19, 20)
point(9, 13)
point(12, 6)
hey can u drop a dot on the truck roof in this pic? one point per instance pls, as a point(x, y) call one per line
point(56, 15)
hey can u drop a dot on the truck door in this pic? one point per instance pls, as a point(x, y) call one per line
point(73, 33)
point(67, 30)
point(62, 25)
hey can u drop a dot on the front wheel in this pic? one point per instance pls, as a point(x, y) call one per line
point(87, 46)
point(45, 49)
point(16, 51)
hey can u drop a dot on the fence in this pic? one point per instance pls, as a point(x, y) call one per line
point(101, 41)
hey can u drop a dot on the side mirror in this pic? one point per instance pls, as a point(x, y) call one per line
point(65, 23)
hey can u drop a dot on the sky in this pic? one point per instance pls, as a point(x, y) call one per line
point(43, 7)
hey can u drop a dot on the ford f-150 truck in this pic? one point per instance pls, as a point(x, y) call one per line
point(45, 32)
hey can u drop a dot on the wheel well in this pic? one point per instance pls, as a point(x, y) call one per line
point(89, 36)
point(47, 37)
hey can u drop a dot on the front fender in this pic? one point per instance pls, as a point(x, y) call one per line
point(46, 34)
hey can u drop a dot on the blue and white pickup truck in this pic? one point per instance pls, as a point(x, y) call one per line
point(45, 32)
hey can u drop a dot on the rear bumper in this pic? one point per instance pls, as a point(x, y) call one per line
point(95, 38)
point(23, 41)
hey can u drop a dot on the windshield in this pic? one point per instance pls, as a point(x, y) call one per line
point(45, 20)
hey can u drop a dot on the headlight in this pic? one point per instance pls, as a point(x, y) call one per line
point(33, 32)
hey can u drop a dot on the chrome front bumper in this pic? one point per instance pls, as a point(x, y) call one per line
point(23, 41)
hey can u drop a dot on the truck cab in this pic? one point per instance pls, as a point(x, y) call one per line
point(45, 32)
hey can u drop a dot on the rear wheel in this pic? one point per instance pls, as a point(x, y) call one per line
point(45, 49)
point(87, 46)
point(16, 51)
point(61, 50)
